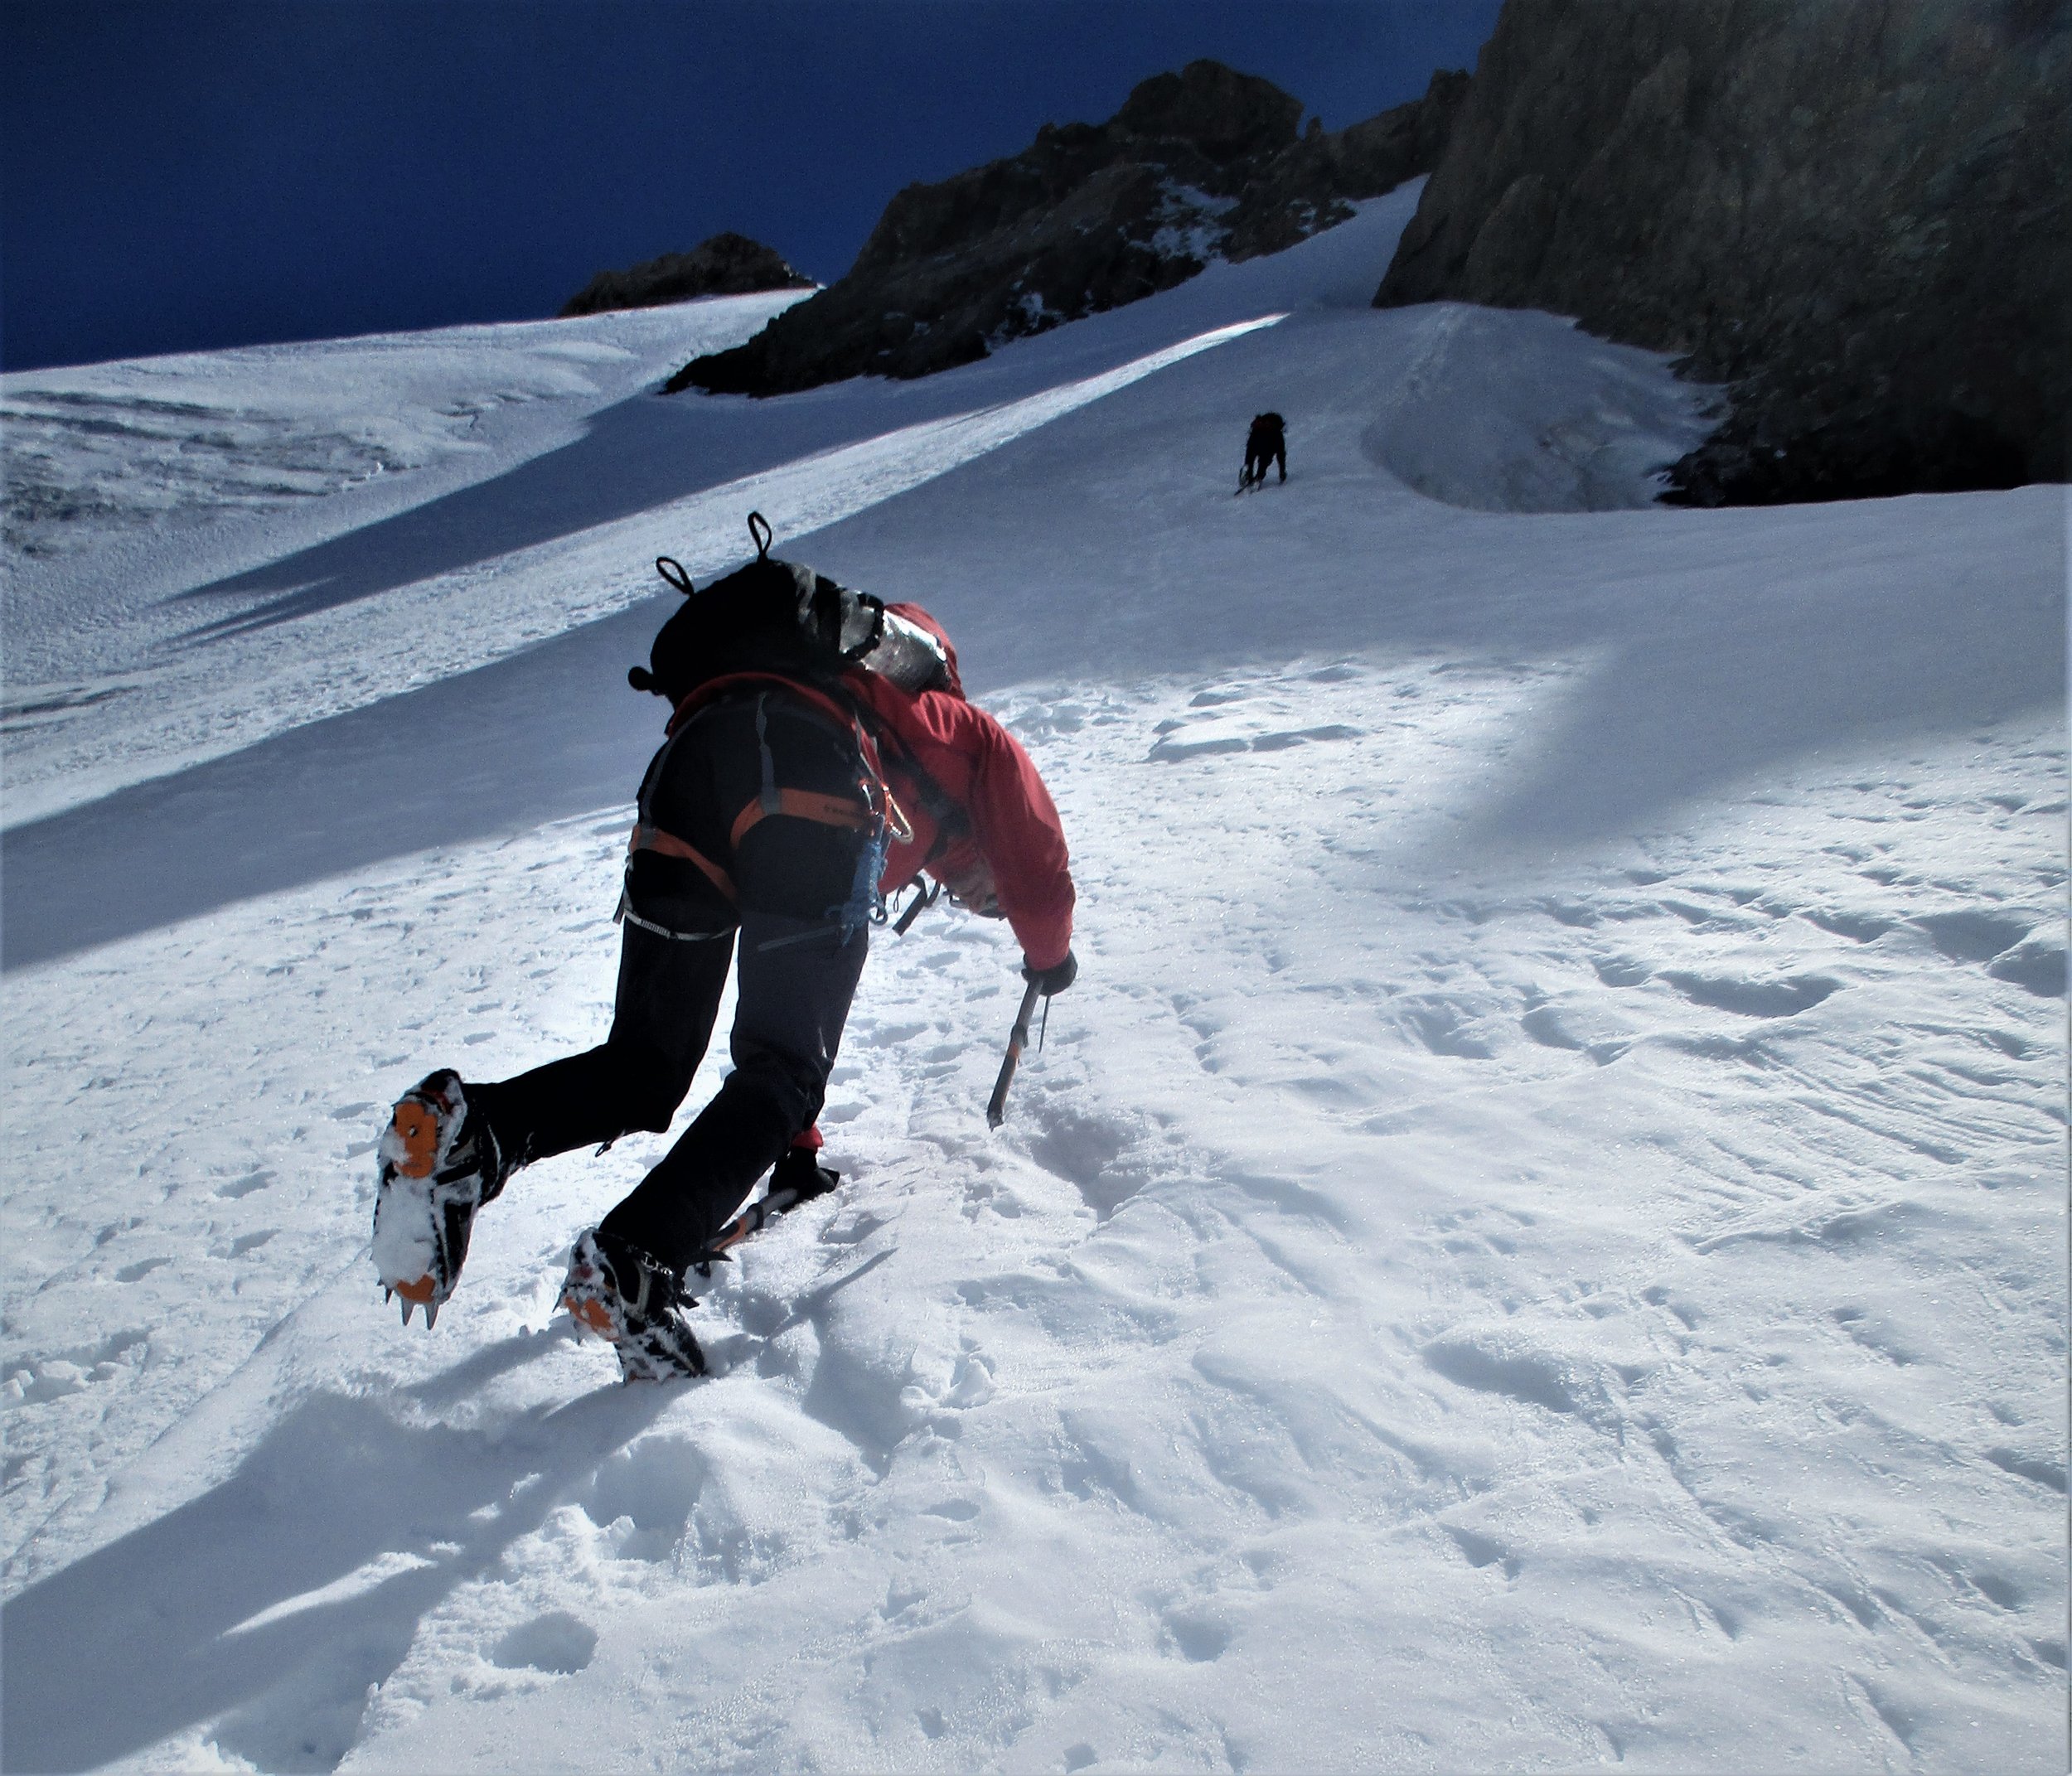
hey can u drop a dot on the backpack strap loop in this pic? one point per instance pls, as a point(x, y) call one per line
point(672, 570)
point(760, 534)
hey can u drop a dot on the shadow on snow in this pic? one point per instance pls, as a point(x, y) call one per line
point(342, 1529)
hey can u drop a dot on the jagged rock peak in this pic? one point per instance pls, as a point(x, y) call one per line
point(726, 264)
point(1202, 164)
point(1224, 114)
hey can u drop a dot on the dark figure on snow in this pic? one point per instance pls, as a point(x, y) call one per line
point(1265, 442)
point(821, 755)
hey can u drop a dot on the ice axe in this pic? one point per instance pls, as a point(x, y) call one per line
point(1018, 1040)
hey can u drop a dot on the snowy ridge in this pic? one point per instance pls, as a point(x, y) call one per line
point(177, 470)
point(1537, 1241)
point(99, 450)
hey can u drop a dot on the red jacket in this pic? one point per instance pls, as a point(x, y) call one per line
point(1010, 824)
point(1002, 820)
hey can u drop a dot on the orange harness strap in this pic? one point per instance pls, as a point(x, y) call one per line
point(804, 805)
point(848, 813)
point(654, 839)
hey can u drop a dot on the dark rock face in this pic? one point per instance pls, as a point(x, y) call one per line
point(725, 265)
point(1306, 187)
point(1225, 114)
point(1197, 164)
point(1853, 211)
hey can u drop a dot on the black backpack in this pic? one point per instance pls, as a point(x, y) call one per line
point(771, 615)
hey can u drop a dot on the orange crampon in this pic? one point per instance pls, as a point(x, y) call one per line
point(417, 1128)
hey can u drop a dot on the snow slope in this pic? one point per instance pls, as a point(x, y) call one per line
point(1537, 1241)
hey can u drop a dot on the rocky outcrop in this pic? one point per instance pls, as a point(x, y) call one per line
point(725, 265)
point(1308, 185)
point(1203, 163)
point(1852, 211)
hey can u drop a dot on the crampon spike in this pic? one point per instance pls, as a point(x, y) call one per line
point(387, 1296)
point(408, 1304)
point(431, 1314)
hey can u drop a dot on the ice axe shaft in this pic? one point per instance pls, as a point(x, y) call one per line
point(996, 1110)
point(753, 1219)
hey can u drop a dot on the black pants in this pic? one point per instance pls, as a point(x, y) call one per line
point(797, 975)
point(792, 1002)
point(1257, 462)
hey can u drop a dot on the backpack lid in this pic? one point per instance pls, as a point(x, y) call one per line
point(770, 616)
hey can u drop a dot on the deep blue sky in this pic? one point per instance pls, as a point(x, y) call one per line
point(178, 174)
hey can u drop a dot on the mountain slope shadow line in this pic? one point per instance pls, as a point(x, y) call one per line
point(635, 455)
point(639, 453)
point(431, 768)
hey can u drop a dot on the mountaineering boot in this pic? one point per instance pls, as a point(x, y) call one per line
point(800, 1172)
point(797, 1177)
point(619, 1291)
point(436, 1164)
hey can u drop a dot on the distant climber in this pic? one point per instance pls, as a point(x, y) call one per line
point(1266, 442)
point(820, 755)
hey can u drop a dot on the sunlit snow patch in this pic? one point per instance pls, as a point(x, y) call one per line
point(357, 1583)
point(238, 687)
point(192, 438)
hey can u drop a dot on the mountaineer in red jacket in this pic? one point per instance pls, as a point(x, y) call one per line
point(820, 755)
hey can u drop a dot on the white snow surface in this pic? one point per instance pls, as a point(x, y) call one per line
point(1537, 1241)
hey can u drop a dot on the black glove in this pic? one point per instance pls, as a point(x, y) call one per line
point(1055, 977)
point(799, 1170)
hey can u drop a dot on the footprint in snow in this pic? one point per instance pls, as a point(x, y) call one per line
point(1493, 1364)
point(42, 1379)
point(1480, 1551)
point(1975, 934)
point(245, 1186)
point(1083, 1150)
point(1209, 738)
point(1753, 998)
point(2037, 963)
point(556, 1641)
point(1196, 1634)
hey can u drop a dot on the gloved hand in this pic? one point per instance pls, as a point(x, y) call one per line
point(1055, 977)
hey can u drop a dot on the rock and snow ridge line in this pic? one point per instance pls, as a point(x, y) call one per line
point(1196, 167)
